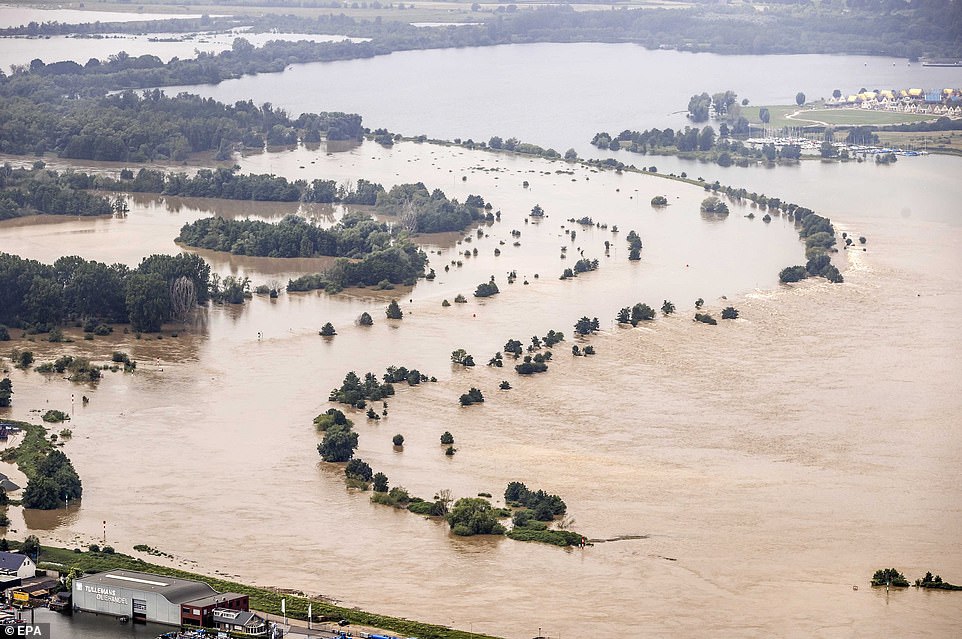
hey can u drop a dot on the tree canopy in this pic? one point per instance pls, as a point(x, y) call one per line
point(54, 482)
point(73, 289)
point(474, 516)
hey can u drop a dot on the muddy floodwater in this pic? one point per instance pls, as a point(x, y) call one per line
point(748, 474)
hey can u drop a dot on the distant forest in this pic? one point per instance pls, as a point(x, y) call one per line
point(874, 27)
point(63, 107)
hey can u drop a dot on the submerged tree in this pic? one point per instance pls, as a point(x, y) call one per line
point(6, 390)
point(394, 311)
point(461, 356)
point(641, 312)
point(474, 516)
point(54, 483)
point(183, 297)
point(473, 396)
point(327, 330)
point(339, 443)
point(585, 326)
point(358, 469)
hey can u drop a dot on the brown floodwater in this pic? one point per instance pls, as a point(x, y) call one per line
point(762, 467)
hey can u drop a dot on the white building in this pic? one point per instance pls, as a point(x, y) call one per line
point(14, 565)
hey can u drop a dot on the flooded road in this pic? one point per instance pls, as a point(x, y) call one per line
point(767, 465)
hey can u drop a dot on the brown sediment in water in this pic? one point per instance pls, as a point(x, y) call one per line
point(762, 447)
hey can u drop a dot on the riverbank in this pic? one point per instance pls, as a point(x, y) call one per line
point(261, 599)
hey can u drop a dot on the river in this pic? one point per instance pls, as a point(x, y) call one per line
point(528, 90)
point(766, 465)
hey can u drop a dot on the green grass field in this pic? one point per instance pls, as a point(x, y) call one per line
point(808, 116)
point(856, 117)
point(778, 112)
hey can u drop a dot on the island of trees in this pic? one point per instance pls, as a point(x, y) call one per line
point(161, 289)
point(935, 583)
point(725, 148)
point(52, 480)
point(37, 191)
point(530, 513)
point(378, 253)
point(421, 211)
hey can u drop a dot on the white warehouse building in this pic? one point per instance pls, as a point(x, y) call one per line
point(146, 597)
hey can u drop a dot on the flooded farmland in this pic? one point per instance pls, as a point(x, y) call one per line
point(735, 480)
point(760, 468)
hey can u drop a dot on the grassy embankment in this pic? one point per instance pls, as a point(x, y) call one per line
point(812, 115)
point(779, 115)
point(260, 598)
point(33, 446)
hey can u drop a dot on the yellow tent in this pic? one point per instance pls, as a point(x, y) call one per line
point(916, 93)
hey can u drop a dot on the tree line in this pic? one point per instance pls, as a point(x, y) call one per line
point(44, 190)
point(37, 118)
point(226, 183)
point(722, 148)
point(72, 289)
point(816, 231)
point(876, 27)
point(37, 191)
point(354, 235)
point(62, 107)
point(422, 211)
point(385, 253)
